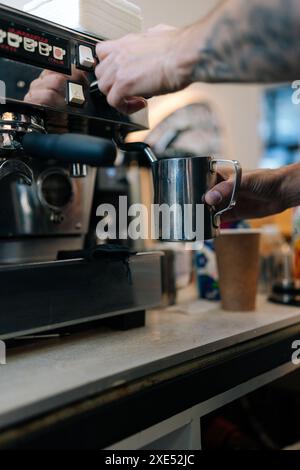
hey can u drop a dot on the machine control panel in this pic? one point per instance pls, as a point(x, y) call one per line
point(30, 45)
point(45, 45)
point(76, 95)
point(86, 57)
point(37, 48)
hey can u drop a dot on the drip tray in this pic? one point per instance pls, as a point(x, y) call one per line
point(46, 296)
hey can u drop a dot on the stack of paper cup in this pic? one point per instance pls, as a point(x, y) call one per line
point(107, 19)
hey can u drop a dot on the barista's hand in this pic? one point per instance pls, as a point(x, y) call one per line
point(49, 89)
point(262, 193)
point(140, 66)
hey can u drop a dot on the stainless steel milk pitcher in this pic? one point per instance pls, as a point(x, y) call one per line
point(180, 184)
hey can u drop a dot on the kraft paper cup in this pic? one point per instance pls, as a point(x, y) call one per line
point(238, 264)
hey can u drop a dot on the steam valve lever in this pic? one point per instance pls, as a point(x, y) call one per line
point(71, 149)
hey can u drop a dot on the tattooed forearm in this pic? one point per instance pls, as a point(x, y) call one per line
point(250, 41)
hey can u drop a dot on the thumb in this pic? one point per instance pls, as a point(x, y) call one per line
point(134, 104)
point(219, 194)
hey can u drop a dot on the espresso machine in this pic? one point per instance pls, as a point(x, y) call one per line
point(53, 274)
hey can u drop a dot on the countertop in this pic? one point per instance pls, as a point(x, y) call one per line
point(50, 373)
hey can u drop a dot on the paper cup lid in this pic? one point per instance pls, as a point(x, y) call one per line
point(241, 231)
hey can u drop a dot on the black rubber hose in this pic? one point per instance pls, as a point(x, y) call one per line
point(70, 148)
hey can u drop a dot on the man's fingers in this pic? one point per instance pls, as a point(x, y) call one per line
point(103, 66)
point(213, 198)
point(45, 73)
point(105, 74)
point(117, 98)
point(53, 81)
point(44, 97)
point(219, 194)
point(135, 104)
point(104, 48)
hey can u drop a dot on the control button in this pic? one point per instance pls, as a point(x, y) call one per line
point(86, 57)
point(59, 53)
point(76, 94)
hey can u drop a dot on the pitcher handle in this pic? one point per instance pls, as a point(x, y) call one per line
point(236, 186)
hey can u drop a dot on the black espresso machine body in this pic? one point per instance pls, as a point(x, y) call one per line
point(46, 197)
